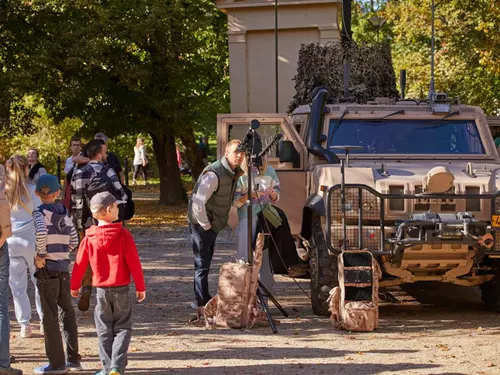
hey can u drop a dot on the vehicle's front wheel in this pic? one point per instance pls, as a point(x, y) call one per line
point(323, 268)
point(490, 293)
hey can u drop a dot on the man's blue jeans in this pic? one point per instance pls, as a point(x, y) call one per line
point(203, 242)
point(4, 307)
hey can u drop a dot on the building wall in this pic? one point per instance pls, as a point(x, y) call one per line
point(251, 25)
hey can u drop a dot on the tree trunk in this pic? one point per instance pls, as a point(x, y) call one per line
point(193, 153)
point(171, 190)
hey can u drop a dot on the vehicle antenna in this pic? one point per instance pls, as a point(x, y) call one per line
point(431, 86)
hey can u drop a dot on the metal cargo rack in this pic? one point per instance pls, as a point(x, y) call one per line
point(362, 209)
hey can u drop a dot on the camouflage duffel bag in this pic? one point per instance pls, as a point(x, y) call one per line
point(235, 304)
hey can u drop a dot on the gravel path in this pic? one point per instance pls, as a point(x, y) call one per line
point(435, 329)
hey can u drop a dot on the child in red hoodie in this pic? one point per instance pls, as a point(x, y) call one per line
point(112, 254)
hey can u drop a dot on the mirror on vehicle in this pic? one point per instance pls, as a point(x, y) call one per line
point(287, 153)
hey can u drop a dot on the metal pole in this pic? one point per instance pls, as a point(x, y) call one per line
point(342, 203)
point(431, 86)
point(249, 203)
point(59, 168)
point(276, 62)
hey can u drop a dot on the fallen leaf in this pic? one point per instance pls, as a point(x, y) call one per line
point(443, 347)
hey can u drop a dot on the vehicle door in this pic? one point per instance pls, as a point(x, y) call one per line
point(292, 175)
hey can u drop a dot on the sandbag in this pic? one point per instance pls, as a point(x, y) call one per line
point(353, 304)
point(235, 304)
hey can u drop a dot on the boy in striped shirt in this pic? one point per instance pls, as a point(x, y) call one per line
point(56, 236)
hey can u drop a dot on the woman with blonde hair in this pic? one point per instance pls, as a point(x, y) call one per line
point(140, 161)
point(23, 201)
point(265, 191)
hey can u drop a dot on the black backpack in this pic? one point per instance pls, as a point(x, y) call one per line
point(101, 183)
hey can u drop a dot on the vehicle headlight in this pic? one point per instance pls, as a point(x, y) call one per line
point(367, 206)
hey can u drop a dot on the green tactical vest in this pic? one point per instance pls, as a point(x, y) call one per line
point(220, 202)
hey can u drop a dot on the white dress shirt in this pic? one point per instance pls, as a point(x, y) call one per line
point(208, 184)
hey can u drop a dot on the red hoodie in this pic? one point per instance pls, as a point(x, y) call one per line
point(113, 256)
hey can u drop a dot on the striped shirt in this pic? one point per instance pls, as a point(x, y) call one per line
point(82, 177)
point(56, 236)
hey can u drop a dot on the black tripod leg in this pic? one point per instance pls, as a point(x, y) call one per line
point(274, 300)
point(263, 303)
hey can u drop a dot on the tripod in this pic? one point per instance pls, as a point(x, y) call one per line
point(251, 149)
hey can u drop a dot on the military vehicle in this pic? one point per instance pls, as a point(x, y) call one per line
point(414, 182)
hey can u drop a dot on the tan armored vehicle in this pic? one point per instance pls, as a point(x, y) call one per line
point(419, 189)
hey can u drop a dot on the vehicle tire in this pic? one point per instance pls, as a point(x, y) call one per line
point(323, 268)
point(490, 293)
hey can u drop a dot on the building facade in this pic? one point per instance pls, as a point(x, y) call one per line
point(252, 52)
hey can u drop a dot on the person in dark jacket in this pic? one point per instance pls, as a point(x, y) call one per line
point(36, 168)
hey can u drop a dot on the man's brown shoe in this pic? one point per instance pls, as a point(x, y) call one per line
point(84, 302)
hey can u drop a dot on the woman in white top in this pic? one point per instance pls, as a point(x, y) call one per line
point(140, 161)
point(23, 201)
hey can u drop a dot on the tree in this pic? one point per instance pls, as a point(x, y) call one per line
point(467, 46)
point(128, 66)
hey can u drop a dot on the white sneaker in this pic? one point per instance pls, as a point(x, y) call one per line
point(42, 331)
point(194, 305)
point(26, 331)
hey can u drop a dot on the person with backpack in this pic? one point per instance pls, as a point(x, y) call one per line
point(111, 161)
point(23, 201)
point(36, 168)
point(88, 180)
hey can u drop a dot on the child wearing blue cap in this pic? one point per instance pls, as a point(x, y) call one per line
point(56, 236)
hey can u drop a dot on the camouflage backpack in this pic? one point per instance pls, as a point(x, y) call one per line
point(354, 303)
point(235, 304)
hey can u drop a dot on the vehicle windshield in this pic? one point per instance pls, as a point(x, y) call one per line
point(406, 137)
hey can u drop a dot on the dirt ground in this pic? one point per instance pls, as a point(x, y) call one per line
point(432, 329)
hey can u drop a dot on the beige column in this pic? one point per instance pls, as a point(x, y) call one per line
point(238, 71)
point(328, 34)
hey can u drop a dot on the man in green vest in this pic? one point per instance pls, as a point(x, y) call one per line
point(208, 213)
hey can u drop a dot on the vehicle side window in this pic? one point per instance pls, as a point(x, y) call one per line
point(266, 132)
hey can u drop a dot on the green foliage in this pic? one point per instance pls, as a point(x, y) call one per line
point(50, 138)
point(132, 65)
point(467, 46)
point(156, 67)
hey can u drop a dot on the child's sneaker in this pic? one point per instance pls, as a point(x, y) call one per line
point(26, 331)
point(73, 366)
point(115, 371)
point(47, 369)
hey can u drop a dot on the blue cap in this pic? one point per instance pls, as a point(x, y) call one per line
point(47, 184)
